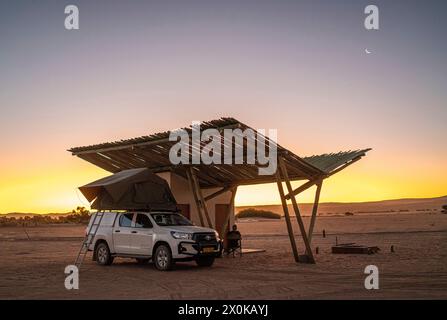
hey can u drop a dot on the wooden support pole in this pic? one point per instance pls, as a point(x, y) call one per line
point(287, 216)
point(205, 208)
point(200, 196)
point(284, 173)
point(314, 211)
point(196, 199)
point(217, 193)
point(230, 209)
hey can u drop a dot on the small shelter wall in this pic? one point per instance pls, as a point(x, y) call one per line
point(183, 195)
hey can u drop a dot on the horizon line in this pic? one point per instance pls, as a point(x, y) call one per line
point(260, 205)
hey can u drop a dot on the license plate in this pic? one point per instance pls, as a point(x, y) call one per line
point(208, 250)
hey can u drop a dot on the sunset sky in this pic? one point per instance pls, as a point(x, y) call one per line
point(140, 67)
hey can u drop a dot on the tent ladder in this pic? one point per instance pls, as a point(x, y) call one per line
point(89, 237)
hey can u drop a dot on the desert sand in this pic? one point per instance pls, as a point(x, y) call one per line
point(34, 269)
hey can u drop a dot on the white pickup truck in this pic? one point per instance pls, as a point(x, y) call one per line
point(164, 237)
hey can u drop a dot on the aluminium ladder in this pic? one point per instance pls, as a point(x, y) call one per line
point(89, 237)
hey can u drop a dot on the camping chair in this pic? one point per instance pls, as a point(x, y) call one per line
point(234, 243)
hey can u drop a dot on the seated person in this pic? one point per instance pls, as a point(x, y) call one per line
point(233, 238)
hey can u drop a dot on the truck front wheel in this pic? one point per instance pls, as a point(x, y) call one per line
point(205, 261)
point(163, 258)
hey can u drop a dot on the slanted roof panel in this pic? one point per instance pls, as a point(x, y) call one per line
point(328, 162)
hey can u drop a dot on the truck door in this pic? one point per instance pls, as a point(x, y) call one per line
point(122, 231)
point(142, 235)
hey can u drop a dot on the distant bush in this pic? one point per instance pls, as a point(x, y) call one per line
point(78, 216)
point(444, 207)
point(254, 213)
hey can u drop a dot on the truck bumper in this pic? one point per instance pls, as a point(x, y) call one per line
point(196, 249)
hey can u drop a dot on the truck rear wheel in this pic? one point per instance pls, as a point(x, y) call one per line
point(205, 261)
point(163, 258)
point(102, 254)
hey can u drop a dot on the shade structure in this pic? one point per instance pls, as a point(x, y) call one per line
point(153, 152)
point(133, 189)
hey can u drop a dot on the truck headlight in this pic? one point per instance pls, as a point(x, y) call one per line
point(181, 235)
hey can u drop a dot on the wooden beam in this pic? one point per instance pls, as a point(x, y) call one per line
point(230, 208)
point(218, 193)
point(207, 175)
point(314, 211)
point(196, 199)
point(200, 195)
point(122, 157)
point(118, 160)
point(283, 170)
point(345, 165)
point(154, 141)
point(287, 216)
point(261, 180)
point(152, 156)
point(304, 187)
point(97, 161)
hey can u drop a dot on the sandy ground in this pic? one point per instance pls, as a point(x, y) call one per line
point(34, 269)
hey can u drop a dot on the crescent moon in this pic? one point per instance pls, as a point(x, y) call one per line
point(368, 52)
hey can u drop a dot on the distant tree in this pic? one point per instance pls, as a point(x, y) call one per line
point(79, 215)
point(444, 207)
point(81, 210)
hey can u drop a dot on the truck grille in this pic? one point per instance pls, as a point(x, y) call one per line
point(204, 237)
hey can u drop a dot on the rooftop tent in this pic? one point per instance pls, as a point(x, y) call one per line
point(133, 189)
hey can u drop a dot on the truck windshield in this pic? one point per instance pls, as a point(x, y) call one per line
point(170, 219)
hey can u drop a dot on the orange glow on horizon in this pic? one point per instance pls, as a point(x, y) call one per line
point(53, 188)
